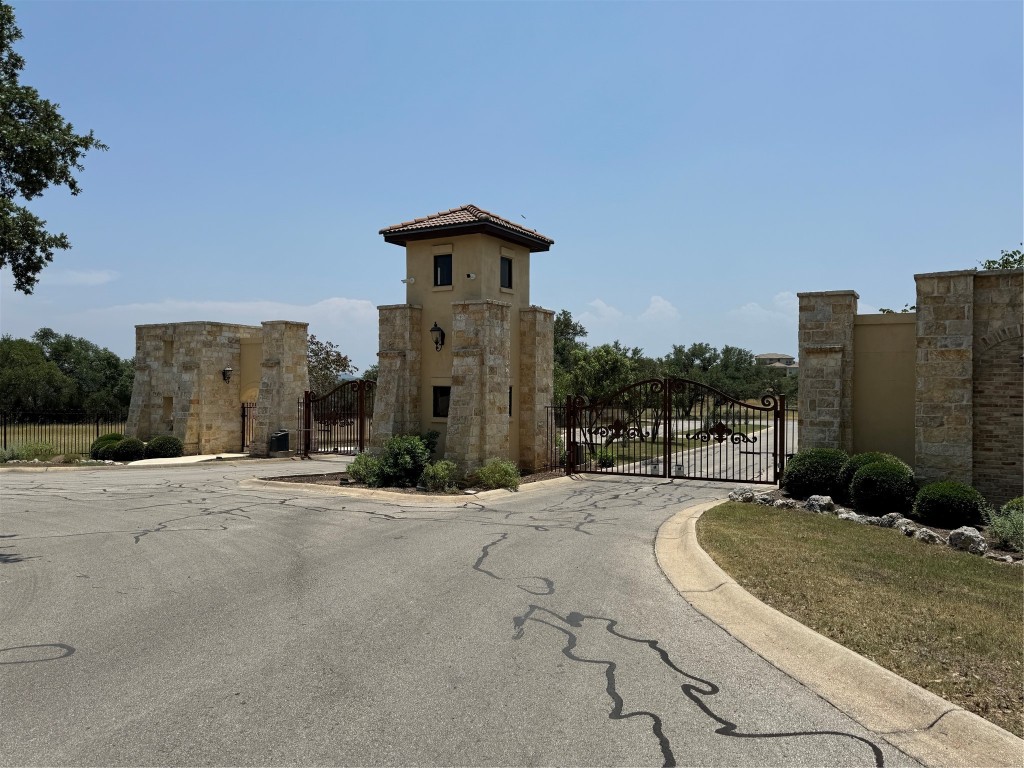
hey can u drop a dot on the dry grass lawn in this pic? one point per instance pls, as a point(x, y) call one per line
point(950, 622)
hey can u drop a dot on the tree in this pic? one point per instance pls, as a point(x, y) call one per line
point(1007, 260)
point(38, 148)
point(101, 381)
point(28, 381)
point(567, 333)
point(327, 366)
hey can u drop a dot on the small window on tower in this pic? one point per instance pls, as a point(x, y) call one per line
point(442, 397)
point(506, 272)
point(443, 269)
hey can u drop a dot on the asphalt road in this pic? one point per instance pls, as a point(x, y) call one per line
point(184, 616)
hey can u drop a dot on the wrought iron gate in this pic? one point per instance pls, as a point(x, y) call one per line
point(338, 422)
point(677, 428)
point(248, 424)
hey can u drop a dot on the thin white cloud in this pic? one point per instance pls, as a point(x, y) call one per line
point(660, 310)
point(601, 312)
point(78, 277)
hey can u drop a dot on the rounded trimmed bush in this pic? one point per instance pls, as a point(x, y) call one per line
point(949, 504)
point(859, 461)
point(164, 447)
point(402, 461)
point(1007, 524)
point(498, 473)
point(440, 476)
point(882, 487)
point(102, 441)
point(813, 471)
point(365, 468)
point(129, 449)
point(106, 451)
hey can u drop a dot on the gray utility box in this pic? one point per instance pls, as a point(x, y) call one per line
point(279, 441)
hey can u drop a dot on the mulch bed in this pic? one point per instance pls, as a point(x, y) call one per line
point(342, 478)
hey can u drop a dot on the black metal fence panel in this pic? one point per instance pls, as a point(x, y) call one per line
point(66, 432)
point(338, 422)
point(673, 428)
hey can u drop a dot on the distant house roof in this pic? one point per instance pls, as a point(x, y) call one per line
point(767, 355)
point(466, 220)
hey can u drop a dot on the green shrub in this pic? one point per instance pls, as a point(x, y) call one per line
point(815, 470)
point(1006, 525)
point(164, 447)
point(106, 451)
point(32, 451)
point(430, 439)
point(883, 486)
point(108, 439)
point(949, 504)
point(498, 473)
point(440, 476)
point(605, 458)
point(365, 468)
point(860, 460)
point(129, 449)
point(402, 460)
point(7, 454)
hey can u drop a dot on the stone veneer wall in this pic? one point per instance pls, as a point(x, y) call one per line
point(536, 383)
point(396, 408)
point(478, 419)
point(184, 362)
point(825, 397)
point(283, 380)
point(969, 377)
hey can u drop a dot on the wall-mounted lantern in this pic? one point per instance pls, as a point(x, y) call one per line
point(437, 335)
point(226, 373)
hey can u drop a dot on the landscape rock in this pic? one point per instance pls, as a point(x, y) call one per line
point(764, 498)
point(853, 517)
point(890, 520)
point(906, 527)
point(820, 504)
point(928, 536)
point(869, 520)
point(999, 558)
point(785, 504)
point(744, 495)
point(968, 539)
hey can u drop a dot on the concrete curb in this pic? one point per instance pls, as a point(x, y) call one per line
point(921, 724)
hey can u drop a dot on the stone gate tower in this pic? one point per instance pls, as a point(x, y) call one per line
point(466, 354)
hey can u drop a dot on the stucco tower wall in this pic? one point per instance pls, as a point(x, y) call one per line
point(396, 401)
point(536, 383)
point(826, 369)
point(283, 380)
point(478, 418)
point(944, 421)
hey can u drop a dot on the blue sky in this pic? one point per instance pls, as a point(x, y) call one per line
point(697, 163)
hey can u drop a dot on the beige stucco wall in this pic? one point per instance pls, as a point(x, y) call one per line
point(883, 384)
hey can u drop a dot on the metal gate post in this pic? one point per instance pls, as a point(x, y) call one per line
point(307, 422)
point(361, 413)
point(780, 437)
point(667, 432)
point(570, 436)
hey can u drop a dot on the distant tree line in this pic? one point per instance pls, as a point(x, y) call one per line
point(61, 372)
point(600, 371)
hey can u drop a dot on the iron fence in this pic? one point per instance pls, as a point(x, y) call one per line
point(65, 431)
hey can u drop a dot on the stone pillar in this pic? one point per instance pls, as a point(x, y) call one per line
point(478, 419)
point(943, 420)
point(396, 408)
point(826, 369)
point(283, 380)
point(536, 383)
point(998, 396)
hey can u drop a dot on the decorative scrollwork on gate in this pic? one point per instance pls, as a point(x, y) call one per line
point(617, 430)
point(720, 432)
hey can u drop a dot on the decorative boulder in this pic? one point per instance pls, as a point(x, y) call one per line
point(869, 520)
point(928, 536)
point(853, 517)
point(785, 504)
point(890, 520)
point(820, 504)
point(764, 498)
point(968, 539)
point(744, 495)
point(906, 527)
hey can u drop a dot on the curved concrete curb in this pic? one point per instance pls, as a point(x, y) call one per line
point(921, 724)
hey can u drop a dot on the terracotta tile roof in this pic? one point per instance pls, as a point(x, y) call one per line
point(462, 219)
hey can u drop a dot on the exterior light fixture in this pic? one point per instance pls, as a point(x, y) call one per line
point(226, 373)
point(437, 335)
